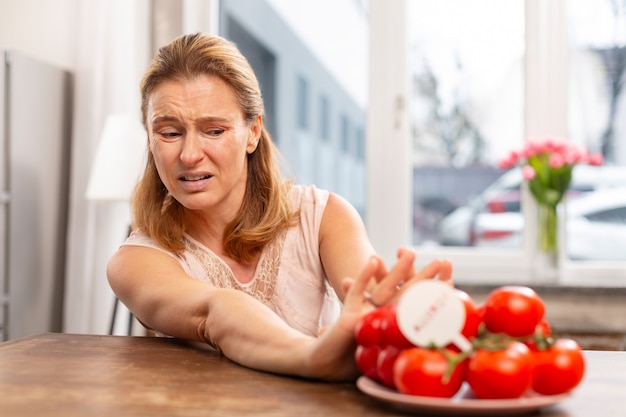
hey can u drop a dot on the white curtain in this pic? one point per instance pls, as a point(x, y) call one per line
point(113, 49)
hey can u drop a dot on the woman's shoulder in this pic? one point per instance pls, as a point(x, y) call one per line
point(310, 203)
point(308, 194)
point(311, 199)
point(140, 238)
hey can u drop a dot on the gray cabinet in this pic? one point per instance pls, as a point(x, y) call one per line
point(35, 132)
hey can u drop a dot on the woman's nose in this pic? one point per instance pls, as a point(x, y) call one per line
point(192, 151)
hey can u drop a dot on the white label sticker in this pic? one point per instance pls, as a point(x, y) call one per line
point(430, 313)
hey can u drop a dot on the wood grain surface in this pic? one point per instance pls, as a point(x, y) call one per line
point(90, 375)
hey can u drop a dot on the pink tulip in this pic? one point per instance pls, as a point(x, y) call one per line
point(560, 146)
point(505, 164)
point(572, 156)
point(528, 172)
point(556, 161)
point(509, 161)
point(531, 148)
point(550, 145)
point(557, 151)
point(595, 159)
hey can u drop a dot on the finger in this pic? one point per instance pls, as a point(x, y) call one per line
point(402, 252)
point(430, 271)
point(346, 283)
point(401, 272)
point(359, 288)
point(445, 272)
point(440, 269)
point(359, 285)
point(377, 274)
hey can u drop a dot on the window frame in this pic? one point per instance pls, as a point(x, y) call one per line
point(389, 219)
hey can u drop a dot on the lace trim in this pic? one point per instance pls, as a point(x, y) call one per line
point(218, 273)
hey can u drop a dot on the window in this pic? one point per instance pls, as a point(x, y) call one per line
point(344, 134)
point(596, 51)
point(360, 145)
point(324, 119)
point(484, 76)
point(466, 108)
point(302, 102)
point(532, 46)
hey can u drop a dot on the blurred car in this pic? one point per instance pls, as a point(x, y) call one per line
point(596, 226)
point(493, 219)
point(456, 228)
point(503, 230)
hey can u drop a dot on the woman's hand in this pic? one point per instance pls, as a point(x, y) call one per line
point(332, 357)
point(387, 287)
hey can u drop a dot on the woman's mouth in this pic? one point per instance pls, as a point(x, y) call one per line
point(195, 177)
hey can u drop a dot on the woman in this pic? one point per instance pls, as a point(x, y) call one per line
point(224, 250)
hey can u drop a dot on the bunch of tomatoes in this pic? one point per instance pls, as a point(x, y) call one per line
point(512, 351)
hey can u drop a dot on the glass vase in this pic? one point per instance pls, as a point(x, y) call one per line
point(548, 229)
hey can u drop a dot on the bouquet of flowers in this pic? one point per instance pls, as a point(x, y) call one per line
point(547, 165)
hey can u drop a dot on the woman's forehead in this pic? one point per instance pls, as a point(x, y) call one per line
point(208, 95)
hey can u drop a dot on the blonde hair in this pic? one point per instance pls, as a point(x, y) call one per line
point(265, 211)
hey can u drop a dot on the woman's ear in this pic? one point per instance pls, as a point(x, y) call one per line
point(254, 134)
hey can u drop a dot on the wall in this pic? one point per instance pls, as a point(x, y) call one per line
point(105, 45)
point(42, 29)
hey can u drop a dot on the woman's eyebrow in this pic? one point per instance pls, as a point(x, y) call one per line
point(161, 119)
point(212, 119)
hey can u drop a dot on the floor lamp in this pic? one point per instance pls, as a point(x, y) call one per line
point(119, 161)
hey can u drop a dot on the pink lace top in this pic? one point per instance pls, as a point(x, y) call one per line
point(289, 277)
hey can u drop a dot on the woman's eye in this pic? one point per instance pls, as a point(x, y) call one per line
point(169, 135)
point(214, 132)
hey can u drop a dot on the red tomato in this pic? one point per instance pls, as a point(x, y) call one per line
point(543, 328)
point(513, 310)
point(420, 371)
point(391, 335)
point(367, 331)
point(539, 339)
point(559, 368)
point(384, 365)
point(473, 316)
point(504, 373)
point(366, 358)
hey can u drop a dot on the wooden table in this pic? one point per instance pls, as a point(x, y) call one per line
point(87, 375)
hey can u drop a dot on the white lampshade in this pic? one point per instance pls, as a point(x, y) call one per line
point(119, 160)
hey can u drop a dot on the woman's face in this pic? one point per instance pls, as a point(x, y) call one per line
point(200, 141)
